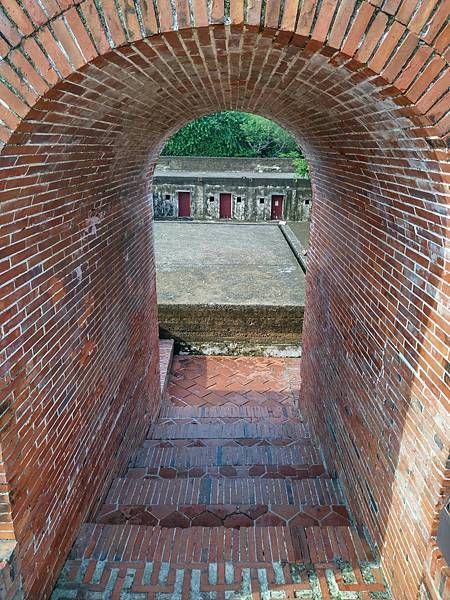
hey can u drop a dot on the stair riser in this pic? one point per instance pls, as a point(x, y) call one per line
point(181, 492)
point(230, 411)
point(229, 472)
point(230, 516)
point(225, 442)
point(263, 430)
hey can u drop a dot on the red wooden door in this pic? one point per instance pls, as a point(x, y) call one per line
point(225, 206)
point(276, 212)
point(184, 204)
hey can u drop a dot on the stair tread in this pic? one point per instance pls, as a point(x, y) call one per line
point(235, 430)
point(127, 542)
point(212, 491)
point(305, 454)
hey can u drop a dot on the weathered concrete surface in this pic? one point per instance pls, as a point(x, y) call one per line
point(233, 329)
point(226, 264)
point(247, 180)
point(301, 232)
point(228, 288)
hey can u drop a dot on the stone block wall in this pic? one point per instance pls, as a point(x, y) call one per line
point(233, 329)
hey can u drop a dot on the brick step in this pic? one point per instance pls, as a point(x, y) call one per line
point(238, 430)
point(227, 420)
point(228, 502)
point(229, 410)
point(226, 443)
point(202, 545)
point(144, 491)
point(304, 455)
point(130, 560)
point(287, 471)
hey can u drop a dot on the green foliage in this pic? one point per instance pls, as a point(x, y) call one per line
point(300, 164)
point(301, 167)
point(265, 138)
point(233, 134)
point(219, 134)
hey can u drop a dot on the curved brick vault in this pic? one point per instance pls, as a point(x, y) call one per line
point(89, 96)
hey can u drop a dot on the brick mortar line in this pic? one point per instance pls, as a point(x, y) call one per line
point(211, 23)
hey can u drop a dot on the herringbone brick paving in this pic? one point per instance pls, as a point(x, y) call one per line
point(227, 498)
point(227, 381)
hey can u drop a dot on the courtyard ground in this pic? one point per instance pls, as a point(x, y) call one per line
point(301, 231)
point(226, 263)
point(229, 288)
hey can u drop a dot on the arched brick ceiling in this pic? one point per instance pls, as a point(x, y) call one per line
point(406, 42)
point(132, 99)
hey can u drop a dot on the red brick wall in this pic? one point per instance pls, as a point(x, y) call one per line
point(374, 344)
point(81, 369)
point(363, 89)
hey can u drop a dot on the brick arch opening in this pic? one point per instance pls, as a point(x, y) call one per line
point(79, 361)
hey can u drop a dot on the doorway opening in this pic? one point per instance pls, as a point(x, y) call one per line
point(184, 204)
point(276, 212)
point(225, 206)
point(230, 261)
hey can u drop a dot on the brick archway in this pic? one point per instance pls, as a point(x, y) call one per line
point(91, 97)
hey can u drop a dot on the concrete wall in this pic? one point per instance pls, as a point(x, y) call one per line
point(244, 329)
point(211, 163)
point(246, 197)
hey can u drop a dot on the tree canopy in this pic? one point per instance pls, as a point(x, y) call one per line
point(236, 134)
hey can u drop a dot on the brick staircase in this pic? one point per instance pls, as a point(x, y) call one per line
point(227, 498)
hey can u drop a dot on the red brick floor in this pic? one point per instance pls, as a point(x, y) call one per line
point(227, 498)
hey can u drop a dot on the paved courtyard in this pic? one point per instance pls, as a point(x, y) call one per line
point(227, 498)
point(226, 263)
point(301, 230)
